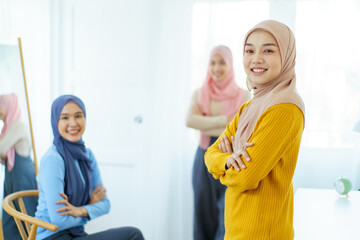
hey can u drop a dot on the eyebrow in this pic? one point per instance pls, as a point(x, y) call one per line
point(265, 44)
point(80, 112)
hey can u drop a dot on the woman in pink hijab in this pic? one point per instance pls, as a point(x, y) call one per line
point(15, 155)
point(212, 107)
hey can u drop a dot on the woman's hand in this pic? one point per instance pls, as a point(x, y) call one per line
point(197, 110)
point(235, 160)
point(98, 194)
point(225, 145)
point(70, 209)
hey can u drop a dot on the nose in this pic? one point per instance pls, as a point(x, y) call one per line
point(258, 58)
point(72, 122)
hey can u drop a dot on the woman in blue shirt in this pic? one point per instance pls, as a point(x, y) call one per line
point(69, 180)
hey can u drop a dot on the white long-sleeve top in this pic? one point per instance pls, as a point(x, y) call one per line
point(17, 135)
point(212, 125)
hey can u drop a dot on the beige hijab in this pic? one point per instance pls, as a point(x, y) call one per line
point(280, 90)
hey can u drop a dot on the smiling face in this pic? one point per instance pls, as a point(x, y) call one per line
point(218, 68)
point(262, 60)
point(72, 122)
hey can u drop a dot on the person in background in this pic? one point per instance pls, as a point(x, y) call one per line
point(71, 189)
point(212, 107)
point(15, 155)
point(256, 155)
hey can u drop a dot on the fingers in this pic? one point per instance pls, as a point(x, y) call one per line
point(239, 161)
point(101, 194)
point(62, 209)
point(221, 145)
point(235, 161)
point(98, 188)
point(243, 151)
point(248, 144)
point(64, 196)
point(232, 163)
point(62, 202)
point(225, 145)
point(245, 155)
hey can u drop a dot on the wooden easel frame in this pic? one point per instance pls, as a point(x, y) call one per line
point(28, 107)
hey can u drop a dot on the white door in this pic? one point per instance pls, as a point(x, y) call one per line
point(102, 54)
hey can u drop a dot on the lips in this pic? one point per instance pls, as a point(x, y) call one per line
point(73, 131)
point(218, 74)
point(258, 71)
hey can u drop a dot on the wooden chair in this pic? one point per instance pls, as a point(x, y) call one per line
point(21, 218)
point(1, 231)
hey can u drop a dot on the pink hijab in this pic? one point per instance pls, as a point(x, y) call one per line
point(10, 105)
point(227, 92)
point(281, 90)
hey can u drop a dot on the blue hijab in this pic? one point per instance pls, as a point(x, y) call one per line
point(78, 193)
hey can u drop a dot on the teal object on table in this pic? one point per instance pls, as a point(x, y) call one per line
point(342, 185)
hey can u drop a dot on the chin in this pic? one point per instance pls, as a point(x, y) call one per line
point(219, 79)
point(73, 139)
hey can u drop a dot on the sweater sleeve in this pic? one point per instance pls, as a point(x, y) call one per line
point(201, 122)
point(102, 207)
point(275, 132)
point(51, 182)
point(215, 159)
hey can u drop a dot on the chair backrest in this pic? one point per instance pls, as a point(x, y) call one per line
point(21, 217)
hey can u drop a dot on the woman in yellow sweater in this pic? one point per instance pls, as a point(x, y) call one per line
point(256, 155)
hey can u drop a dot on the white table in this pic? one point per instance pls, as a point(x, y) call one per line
point(320, 214)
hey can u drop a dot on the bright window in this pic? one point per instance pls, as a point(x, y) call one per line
point(327, 64)
point(224, 23)
point(328, 71)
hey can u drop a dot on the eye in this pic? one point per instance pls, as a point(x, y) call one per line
point(222, 62)
point(268, 51)
point(249, 51)
point(64, 118)
point(212, 63)
point(79, 116)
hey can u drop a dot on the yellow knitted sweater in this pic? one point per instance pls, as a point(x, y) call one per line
point(259, 198)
